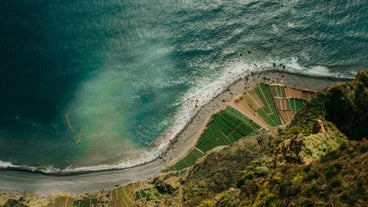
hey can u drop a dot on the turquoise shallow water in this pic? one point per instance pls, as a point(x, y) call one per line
point(86, 83)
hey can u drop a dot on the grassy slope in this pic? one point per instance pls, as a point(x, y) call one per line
point(246, 174)
point(225, 127)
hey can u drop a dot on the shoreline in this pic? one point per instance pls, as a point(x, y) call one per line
point(89, 181)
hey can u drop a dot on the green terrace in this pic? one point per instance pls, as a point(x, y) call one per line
point(296, 104)
point(269, 111)
point(124, 196)
point(62, 202)
point(275, 104)
point(224, 128)
point(70, 202)
point(278, 91)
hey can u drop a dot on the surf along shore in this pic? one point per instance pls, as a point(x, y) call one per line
point(19, 181)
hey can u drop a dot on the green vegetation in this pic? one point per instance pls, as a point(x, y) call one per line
point(85, 202)
point(268, 112)
point(124, 196)
point(304, 121)
point(61, 202)
point(278, 91)
point(346, 106)
point(140, 194)
point(296, 104)
point(225, 128)
point(189, 160)
point(245, 174)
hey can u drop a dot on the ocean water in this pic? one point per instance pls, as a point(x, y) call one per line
point(105, 84)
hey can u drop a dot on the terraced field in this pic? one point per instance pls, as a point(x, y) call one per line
point(124, 196)
point(267, 105)
point(296, 104)
point(224, 128)
point(278, 91)
point(87, 202)
point(268, 112)
point(62, 202)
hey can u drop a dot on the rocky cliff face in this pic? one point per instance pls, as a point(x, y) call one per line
point(347, 106)
point(338, 114)
point(304, 149)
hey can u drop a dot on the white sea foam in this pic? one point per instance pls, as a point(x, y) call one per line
point(6, 164)
point(146, 156)
point(292, 65)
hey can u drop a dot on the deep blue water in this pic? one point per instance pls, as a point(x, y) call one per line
point(94, 82)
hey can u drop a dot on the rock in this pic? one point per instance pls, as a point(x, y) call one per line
point(319, 127)
point(303, 149)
